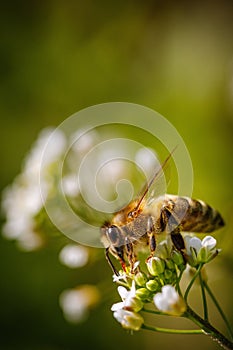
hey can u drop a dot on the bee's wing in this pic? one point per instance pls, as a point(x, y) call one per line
point(157, 184)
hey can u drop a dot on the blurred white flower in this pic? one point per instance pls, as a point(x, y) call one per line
point(22, 200)
point(48, 147)
point(129, 319)
point(129, 299)
point(82, 140)
point(147, 160)
point(169, 301)
point(73, 256)
point(29, 241)
point(200, 251)
point(70, 185)
point(76, 303)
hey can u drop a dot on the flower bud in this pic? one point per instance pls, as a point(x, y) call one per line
point(177, 258)
point(142, 293)
point(140, 279)
point(155, 266)
point(153, 285)
point(170, 264)
point(168, 274)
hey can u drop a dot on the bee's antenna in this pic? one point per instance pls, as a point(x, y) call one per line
point(154, 177)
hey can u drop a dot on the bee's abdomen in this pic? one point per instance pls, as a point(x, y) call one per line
point(200, 217)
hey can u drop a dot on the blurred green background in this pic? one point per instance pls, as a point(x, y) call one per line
point(58, 57)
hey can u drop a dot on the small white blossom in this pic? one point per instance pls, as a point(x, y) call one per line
point(200, 251)
point(22, 200)
point(129, 299)
point(169, 301)
point(122, 276)
point(129, 319)
point(76, 303)
point(73, 256)
point(48, 147)
point(82, 141)
point(29, 241)
point(146, 159)
point(70, 185)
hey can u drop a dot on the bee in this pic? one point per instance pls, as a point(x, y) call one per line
point(140, 222)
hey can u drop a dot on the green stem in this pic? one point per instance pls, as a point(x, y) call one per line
point(155, 312)
point(172, 331)
point(208, 329)
point(219, 309)
point(178, 283)
point(205, 306)
point(192, 281)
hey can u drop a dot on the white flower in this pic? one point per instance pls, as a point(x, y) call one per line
point(129, 319)
point(70, 185)
point(29, 241)
point(22, 200)
point(147, 160)
point(122, 276)
point(73, 255)
point(200, 251)
point(46, 150)
point(76, 303)
point(169, 301)
point(129, 300)
point(82, 140)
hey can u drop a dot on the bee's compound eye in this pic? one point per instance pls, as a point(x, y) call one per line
point(113, 234)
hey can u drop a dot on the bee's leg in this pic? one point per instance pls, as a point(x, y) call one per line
point(151, 235)
point(130, 255)
point(177, 239)
point(171, 225)
point(120, 256)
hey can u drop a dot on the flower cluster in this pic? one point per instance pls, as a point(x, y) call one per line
point(159, 283)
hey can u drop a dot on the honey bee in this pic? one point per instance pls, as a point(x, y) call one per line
point(141, 221)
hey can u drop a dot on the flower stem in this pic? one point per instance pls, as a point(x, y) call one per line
point(219, 309)
point(205, 307)
point(172, 331)
point(208, 329)
point(192, 281)
point(155, 312)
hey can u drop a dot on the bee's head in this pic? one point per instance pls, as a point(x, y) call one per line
point(111, 236)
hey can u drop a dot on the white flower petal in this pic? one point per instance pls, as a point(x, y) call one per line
point(195, 243)
point(123, 292)
point(209, 242)
point(117, 306)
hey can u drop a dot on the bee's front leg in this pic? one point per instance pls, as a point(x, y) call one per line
point(151, 231)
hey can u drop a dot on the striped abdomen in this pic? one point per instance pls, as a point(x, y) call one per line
point(198, 216)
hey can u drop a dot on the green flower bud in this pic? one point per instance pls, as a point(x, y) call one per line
point(170, 264)
point(155, 266)
point(177, 258)
point(140, 279)
point(142, 293)
point(168, 274)
point(153, 285)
